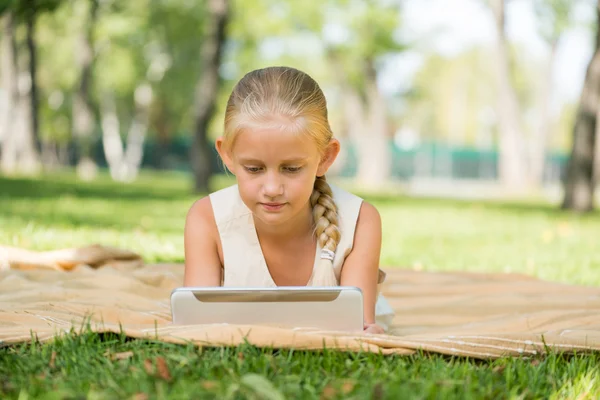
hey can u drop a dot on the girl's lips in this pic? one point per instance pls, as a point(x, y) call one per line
point(273, 206)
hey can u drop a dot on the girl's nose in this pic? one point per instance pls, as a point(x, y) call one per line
point(273, 186)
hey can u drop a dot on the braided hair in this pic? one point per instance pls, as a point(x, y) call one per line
point(325, 214)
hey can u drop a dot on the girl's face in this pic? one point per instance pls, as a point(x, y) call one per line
point(276, 171)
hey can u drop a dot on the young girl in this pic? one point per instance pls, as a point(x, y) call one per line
point(282, 224)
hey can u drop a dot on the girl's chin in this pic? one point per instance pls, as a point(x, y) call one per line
point(280, 215)
point(272, 218)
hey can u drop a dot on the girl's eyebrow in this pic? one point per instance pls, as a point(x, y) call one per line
point(284, 161)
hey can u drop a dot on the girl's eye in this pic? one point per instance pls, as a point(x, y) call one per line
point(293, 169)
point(253, 170)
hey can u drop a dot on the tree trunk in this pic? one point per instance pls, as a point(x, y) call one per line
point(160, 124)
point(8, 54)
point(354, 114)
point(136, 137)
point(597, 152)
point(579, 185)
point(111, 136)
point(22, 147)
point(124, 162)
point(83, 115)
point(30, 23)
point(50, 156)
point(540, 137)
point(207, 90)
point(375, 158)
point(366, 121)
point(22, 157)
point(512, 166)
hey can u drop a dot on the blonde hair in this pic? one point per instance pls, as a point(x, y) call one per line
point(291, 100)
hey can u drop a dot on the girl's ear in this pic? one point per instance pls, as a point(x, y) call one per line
point(331, 153)
point(224, 154)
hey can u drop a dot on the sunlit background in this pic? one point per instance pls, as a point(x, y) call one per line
point(469, 124)
point(468, 98)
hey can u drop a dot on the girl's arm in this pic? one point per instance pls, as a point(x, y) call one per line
point(361, 267)
point(201, 244)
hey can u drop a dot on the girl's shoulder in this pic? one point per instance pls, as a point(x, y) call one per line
point(203, 249)
point(349, 204)
point(217, 206)
point(341, 195)
point(227, 204)
point(200, 217)
point(356, 214)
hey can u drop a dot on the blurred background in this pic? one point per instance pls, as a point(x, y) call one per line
point(451, 98)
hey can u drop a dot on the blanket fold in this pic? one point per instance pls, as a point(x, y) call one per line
point(479, 315)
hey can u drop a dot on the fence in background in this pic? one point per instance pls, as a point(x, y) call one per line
point(428, 160)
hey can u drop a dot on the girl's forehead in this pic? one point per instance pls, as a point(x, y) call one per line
point(272, 143)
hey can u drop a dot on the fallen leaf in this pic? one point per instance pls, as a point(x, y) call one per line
point(209, 385)
point(148, 366)
point(499, 369)
point(377, 392)
point(328, 392)
point(122, 356)
point(163, 369)
point(348, 386)
point(535, 363)
point(139, 396)
point(6, 385)
point(52, 362)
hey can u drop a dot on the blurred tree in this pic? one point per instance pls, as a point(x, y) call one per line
point(579, 185)
point(512, 160)
point(11, 92)
point(123, 84)
point(355, 37)
point(596, 172)
point(143, 58)
point(452, 99)
point(253, 26)
point(21, 143)
point(59, 76)
point(178, 31)
point(83, 115)
point(366, 36)
point(147, 57)
point(207, 89)
point(343, 44)
point(554, 19)
point(449, 97)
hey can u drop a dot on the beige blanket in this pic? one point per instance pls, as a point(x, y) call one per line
point(475, 315)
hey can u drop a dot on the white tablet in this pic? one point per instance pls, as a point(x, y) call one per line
point(330, 308)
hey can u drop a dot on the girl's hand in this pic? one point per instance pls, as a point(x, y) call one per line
point(373, 328)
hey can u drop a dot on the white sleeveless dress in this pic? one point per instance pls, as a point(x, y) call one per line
point(244, 262)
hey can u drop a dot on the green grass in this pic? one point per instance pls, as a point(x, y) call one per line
point(536, 239)
point(148, 216)
point(429, 234)
point(110, 366)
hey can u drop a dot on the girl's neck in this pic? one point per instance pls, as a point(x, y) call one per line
point(300, 226)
